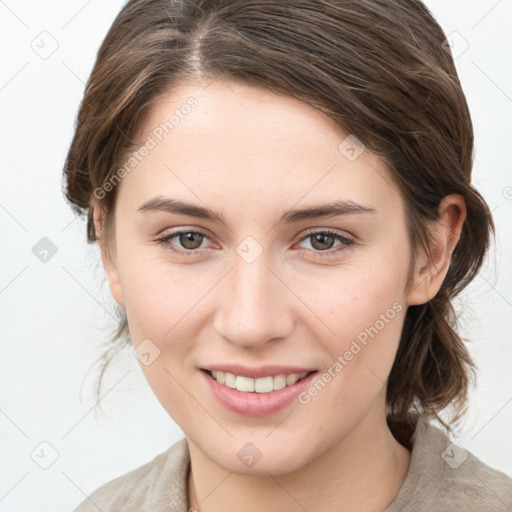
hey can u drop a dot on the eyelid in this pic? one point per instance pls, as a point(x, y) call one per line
point(182, 230)
point(331, 231)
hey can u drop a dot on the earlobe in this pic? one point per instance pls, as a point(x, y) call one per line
point(431, 269)
point(107, 257)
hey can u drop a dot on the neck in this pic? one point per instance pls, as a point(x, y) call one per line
point(368, 458)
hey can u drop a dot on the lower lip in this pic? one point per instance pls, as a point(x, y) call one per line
point(256, 404)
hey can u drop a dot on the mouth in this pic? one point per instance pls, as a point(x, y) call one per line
point(266, 384)
point(256, 392)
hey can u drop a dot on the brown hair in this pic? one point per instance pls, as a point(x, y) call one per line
point(377, 67)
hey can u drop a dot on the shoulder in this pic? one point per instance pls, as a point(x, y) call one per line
point(444, 476)
point(155, 486)
point(470, 483)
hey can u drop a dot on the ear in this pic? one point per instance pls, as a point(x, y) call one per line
point(107, 255)
point(430, 270)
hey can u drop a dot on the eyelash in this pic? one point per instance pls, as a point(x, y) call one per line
point(345, 242)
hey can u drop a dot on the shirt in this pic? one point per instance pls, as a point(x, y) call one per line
point(441, 477)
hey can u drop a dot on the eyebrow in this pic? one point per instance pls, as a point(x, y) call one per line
point(335, 208)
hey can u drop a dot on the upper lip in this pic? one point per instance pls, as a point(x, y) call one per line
point(255, 373)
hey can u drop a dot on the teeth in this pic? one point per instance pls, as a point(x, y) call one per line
point(264, 385)
point(244, 384)
point(292, 379)
point(229, 380)
point(279, 381)
point(260, 385)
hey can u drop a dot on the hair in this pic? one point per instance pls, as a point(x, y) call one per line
point(378, 68)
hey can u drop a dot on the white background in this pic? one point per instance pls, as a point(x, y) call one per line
point(56, 315)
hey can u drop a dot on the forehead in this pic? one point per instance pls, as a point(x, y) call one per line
point(234, 143)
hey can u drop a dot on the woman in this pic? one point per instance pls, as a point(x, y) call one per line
point(281, 195)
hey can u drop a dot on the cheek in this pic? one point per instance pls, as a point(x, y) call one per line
point(162, 311)
point(352, 298)
point(159, 297)
point(165, 308)
point(364, 308)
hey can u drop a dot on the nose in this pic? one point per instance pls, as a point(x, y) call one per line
point(253, 305)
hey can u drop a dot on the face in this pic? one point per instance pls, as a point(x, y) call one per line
point(227, 259)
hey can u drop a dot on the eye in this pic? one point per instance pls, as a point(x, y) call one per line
point(324, 241)
point(190, 240)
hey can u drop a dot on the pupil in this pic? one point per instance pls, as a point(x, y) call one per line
point(187, 240)
point(324, 240)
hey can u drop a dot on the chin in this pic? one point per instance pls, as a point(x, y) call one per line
point(258, 458)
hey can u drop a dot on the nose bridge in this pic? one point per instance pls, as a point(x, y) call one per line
point(252, 304)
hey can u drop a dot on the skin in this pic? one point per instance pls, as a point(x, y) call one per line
point(251, 155)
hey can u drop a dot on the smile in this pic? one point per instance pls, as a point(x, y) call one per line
point(258, 385)
point(267, 391)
